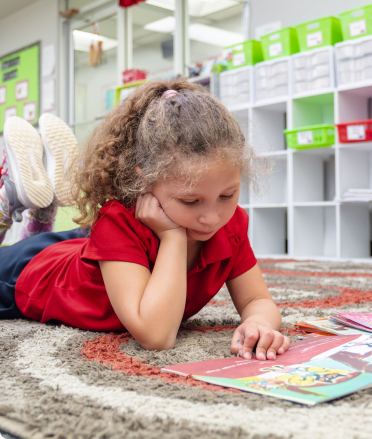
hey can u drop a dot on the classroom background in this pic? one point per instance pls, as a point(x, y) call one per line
point(296, 75)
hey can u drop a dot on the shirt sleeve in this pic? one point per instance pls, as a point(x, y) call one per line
point(245, 258)
point(117, 236)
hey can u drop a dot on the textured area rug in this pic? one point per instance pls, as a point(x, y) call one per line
point(60, 382)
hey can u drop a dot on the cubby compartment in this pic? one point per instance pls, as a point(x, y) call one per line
point(355, 166)
point(314, 231)
point(241, 116)
point(269, 235)
point(355, 230)
point(313, 110)
point(355, 104)
point(314, 175)
point(274, 187)
point(268, 123)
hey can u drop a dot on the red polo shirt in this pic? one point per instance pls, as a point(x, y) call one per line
point(64, 281)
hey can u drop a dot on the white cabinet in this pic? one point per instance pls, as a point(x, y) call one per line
point(300, 212)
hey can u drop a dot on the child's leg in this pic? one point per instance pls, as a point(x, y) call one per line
point(15, 258)
point(60, 147)
point(24, 183)
point(38, 221)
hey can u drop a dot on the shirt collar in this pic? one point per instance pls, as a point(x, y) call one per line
point(216, 249)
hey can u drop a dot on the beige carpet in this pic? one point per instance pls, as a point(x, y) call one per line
point(60, 382)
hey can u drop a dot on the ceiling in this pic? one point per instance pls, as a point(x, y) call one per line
point(11, 7)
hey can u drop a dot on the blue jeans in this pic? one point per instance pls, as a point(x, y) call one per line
point(13, 260)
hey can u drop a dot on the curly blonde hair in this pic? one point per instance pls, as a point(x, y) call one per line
point(158, 135)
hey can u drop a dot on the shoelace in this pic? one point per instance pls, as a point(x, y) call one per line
point(3, 170)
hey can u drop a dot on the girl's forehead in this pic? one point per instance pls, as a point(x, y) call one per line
point(211, 180)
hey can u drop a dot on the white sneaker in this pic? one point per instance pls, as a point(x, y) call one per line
point(24, 154)
point(61, 148)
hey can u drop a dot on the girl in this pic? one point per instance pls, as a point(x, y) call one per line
point(158, 182)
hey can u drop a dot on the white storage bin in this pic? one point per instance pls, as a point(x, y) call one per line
point(236, 86)
point(272, 79)
point(320, 58)
point(345, 52)
point(319, 64)
point(300, 75)
point(354, 61)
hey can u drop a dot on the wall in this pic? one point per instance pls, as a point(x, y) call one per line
point(294, 12)
point(37, 22)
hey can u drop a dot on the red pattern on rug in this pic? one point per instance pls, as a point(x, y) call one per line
point(106, 350)
point(348, 296)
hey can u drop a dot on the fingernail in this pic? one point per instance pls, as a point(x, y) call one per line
point(280, 351)
point(247, 355)
point(240, 352)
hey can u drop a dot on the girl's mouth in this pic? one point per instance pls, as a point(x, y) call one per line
point(200, 233)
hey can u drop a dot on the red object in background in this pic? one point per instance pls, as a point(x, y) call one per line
point(356, 131)
point(127, 3)
point(133, 75)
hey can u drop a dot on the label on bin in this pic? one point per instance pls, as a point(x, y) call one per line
point(238, 59)
point(305, 137)
point(275, 49)
point(314, 39)
point(358, 28)
point(356, 132)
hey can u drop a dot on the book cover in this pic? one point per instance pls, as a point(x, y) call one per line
point(364, 319)
point(311, 371)
point(339, 320)
point(324, 326)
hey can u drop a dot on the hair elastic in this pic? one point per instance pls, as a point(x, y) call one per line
point(169, 93)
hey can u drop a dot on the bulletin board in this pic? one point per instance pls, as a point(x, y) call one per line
point(20, 85)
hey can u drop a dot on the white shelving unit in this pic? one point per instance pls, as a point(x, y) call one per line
point(301, 214)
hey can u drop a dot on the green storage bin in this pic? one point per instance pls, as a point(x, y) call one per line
point(315, 136)
point(319, 33)
point(281, 43)
point(247, 53)
point(356, 22)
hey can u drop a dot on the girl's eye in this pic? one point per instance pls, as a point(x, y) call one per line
point(189, 203)
point(226, 197)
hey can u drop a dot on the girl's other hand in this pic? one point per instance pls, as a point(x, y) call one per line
point(269, 342)
point(150, 213)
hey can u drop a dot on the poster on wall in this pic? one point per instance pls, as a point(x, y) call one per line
point(20, 85)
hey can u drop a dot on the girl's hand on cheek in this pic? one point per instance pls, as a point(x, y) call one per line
point(150, 213)
point(269, 342)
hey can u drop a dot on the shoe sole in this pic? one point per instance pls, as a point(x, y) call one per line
point(60, 147)
point(25, 153)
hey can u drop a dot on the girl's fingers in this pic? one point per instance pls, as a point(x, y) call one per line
point(250, 340)
point(275, 346)
point(264, 343)
point(237, 341)
point(285, 345)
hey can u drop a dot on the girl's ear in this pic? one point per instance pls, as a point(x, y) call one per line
point(138, 170)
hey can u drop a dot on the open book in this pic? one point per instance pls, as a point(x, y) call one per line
point(311, 371)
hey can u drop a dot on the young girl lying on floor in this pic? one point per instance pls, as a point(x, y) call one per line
point(158, 182)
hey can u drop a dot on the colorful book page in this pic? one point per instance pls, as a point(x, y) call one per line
point(311, 371)
point(334, 328)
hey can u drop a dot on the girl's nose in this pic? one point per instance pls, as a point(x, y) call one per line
point(210, 219)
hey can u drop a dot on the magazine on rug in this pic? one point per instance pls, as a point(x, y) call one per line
point(330, 327)
point(361, 321)
point(311, 371)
